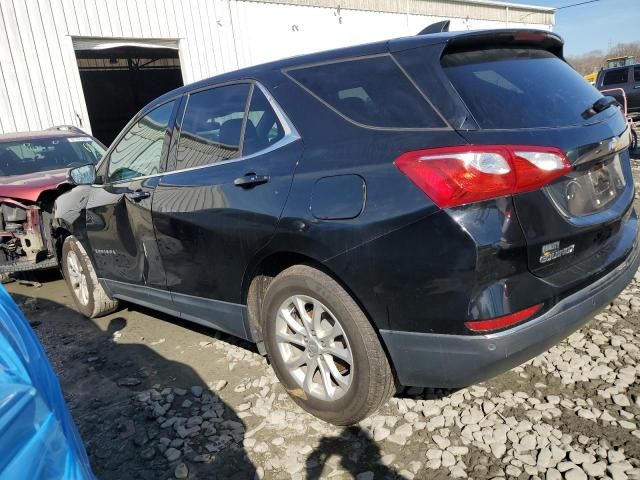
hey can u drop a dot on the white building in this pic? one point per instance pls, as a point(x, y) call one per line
point(94, 63)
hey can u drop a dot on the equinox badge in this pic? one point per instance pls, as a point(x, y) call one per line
point(552, 251)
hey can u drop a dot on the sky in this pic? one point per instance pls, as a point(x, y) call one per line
point(596, 25)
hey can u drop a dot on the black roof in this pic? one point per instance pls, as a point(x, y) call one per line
point(545, 38)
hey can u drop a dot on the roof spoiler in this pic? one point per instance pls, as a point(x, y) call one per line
point(481, 39)
point(437, 27)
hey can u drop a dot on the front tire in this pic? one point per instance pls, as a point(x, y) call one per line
point(323, 348)
point(90, 298)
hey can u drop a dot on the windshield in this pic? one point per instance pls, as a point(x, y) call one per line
point(519, 88)
point(43, 154)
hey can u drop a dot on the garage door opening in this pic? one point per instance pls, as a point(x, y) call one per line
point(118, 81)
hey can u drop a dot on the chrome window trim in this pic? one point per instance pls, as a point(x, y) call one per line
point(446, 126)
point(290, 135)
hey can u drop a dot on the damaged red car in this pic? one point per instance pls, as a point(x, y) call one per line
point(33, 173)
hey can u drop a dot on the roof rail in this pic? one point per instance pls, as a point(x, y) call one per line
point(437, 27)
point(71, 128)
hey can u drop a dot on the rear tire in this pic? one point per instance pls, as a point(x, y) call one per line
point(90, 298)
point(350, 373)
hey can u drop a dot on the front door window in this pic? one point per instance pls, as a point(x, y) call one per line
point(139, 152)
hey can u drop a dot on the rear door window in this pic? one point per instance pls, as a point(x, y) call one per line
point(636, 74)
point(263, 128)
point(212, 126)
point(614, 77)
point(519, 88)
point(370, 91)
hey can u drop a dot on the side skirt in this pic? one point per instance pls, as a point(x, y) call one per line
point(230, 318)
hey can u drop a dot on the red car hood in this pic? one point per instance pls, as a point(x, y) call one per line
point(31, 185)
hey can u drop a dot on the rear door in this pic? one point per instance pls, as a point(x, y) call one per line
point(220, 204)
point(119, 225)
point(529, 97)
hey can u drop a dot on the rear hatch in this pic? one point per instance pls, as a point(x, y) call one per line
point(526, 95)
point(529, 96)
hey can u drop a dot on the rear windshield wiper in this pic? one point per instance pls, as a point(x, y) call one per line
point(599, 105)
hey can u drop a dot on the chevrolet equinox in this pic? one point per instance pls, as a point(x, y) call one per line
point(427, 211)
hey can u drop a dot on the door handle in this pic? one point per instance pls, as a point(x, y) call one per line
point(250, 180)
point(138, 195)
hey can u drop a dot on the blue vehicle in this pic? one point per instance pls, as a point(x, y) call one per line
point(38, 438)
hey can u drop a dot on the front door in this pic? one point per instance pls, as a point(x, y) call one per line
point(119, 225)
point(221, 204)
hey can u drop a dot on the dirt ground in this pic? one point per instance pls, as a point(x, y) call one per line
point(155, 397)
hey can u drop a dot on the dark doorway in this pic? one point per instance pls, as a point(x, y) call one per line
point(118, 82)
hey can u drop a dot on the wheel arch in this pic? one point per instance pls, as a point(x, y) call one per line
point(47, 198)
point(257, 279)
point(60, 234)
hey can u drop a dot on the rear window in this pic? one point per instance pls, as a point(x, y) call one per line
point(519, 88)
point(615, 77)
point(370, 91)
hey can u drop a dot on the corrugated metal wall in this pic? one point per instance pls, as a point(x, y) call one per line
point(39, 79)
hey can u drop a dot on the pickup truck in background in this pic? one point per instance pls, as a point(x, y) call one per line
point(626, 78)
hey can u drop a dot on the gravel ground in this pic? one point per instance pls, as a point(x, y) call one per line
point(157, 398)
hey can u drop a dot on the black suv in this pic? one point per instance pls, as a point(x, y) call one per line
point(627, 78)
point(425, 211)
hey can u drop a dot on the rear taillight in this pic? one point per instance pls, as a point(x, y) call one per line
point(453, 176)
point(505, 321)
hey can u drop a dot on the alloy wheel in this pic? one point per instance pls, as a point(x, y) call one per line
point(77, 278)
point(314, 348)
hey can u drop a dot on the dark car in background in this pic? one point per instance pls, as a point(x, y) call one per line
point(627, 79)
point(33, 173)
point(426, 211)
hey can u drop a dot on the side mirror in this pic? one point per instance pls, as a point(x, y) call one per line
point(84, 175)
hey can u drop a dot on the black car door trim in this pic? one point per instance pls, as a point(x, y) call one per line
point(230, 318)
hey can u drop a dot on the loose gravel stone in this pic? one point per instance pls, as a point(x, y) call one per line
point(595, 469)
point(368, 475)
point(575, 474)
point(129, 382)
point(172, 454)
point(221, 385)
point(381, 433)
point(448, 460)
point(181, 471)
point(553, 474)
point(434, 453)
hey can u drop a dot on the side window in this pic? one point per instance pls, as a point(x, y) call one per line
point(371, 91)
point(263, 127)
point(212, 126)
point(614, 77)
point(139, 152)
point(636, 74)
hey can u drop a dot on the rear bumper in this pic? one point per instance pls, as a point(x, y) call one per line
point(451, 361)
